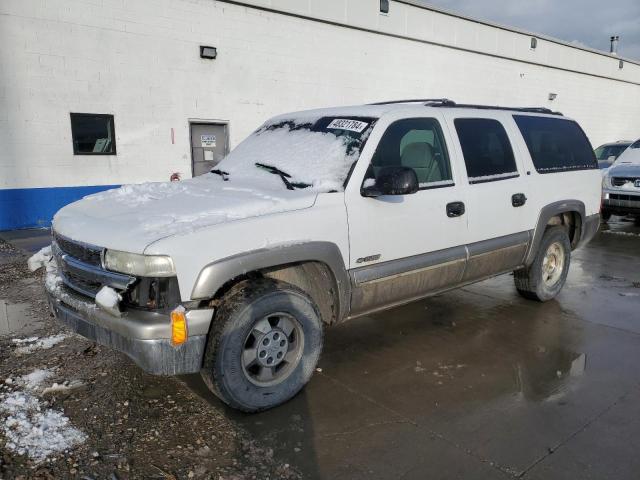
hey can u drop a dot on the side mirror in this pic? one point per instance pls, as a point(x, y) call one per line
point(393, 181)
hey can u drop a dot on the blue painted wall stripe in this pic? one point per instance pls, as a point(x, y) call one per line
point(35, 207)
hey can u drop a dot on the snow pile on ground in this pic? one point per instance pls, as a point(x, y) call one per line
point(33, 430)
point(34, 343)
point(33, 380)
point(108, 298)
point(40, 259)
point(62, 387)
point(624, 234)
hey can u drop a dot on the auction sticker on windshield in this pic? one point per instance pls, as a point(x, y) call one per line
point(346, 124)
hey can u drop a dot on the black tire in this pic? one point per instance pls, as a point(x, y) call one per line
point(242, 308)
point(605, 215)
point(637, 221)
point(530, 281)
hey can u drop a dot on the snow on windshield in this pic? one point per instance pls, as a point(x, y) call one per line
point(311, 151)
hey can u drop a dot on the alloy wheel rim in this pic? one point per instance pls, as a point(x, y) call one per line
point(553, 264)
point(272, 349)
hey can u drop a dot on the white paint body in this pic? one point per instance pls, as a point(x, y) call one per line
point(393, 227)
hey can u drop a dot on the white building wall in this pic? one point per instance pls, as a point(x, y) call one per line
point(139, 60)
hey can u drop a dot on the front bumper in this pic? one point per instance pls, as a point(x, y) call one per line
point(621, 202)
point(145, 337)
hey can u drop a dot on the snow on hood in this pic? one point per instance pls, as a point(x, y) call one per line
point(133, 216)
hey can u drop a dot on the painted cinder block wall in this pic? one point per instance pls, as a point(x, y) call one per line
point(139, 60)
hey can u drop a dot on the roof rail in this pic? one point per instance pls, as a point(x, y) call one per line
point(424, 101)
point(510, 109)
point(445, 102)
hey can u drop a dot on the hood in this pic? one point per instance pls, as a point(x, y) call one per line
point(133, 216)
point(630, 170)
point(630, 156)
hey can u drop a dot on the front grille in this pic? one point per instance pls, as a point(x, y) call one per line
point(80, 251)
point(81, 284)
point(81, 269)
point(620, 181)
point(626, 198)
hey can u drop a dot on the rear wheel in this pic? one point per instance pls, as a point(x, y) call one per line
point(264, 345)
point(546, 276)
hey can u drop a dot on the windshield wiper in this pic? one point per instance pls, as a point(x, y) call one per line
point(283, 175)
point(222, 173)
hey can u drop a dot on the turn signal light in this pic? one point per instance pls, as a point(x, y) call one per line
point(178, 326)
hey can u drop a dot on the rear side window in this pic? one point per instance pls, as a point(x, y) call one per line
point(486, 148)
point(556, 144)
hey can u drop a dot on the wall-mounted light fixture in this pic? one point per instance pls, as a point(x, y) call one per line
point(384, 6)
point(534, 43)
point(210, 53)
point(620, 64)
point(553, 96)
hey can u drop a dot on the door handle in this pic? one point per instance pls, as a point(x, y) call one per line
point(518, 199)
point(455, 209)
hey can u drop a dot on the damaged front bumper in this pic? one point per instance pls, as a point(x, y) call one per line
point(143, 336)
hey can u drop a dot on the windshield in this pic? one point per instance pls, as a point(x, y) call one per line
point(606, 151)
point(315, 154)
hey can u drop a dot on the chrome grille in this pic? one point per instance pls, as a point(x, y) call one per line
point(80, 251)
point(82, 274)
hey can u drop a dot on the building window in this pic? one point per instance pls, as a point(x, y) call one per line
point(93, 134)
point(534, 43)
point(486, 149)
point(384, 6)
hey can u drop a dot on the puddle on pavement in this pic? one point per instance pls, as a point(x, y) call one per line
point(15, 319)
point(546, 375)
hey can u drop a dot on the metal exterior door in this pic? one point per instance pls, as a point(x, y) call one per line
point(209, 145)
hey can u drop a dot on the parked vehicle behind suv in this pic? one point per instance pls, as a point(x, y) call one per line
point(316, 218)
point(608, 153)
point(621, 185)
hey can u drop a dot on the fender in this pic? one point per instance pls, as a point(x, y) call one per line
point(213, 276)
point(550, 211)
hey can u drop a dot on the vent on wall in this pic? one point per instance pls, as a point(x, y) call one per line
point(621, 65)
point(384, 6)
point(534, 43)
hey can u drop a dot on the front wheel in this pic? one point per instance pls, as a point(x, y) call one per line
point(264, 345)
point(546, 276)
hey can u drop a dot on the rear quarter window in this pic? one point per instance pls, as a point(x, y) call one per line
point(556, 144)
point(487, 152)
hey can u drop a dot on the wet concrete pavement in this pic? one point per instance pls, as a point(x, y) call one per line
point(478, 383)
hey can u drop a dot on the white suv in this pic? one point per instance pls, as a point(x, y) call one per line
point(316, 218)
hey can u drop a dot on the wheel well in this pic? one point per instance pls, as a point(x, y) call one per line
point(572, 222)
point(315, 278)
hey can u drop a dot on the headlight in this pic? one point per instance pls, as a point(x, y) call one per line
point(139, 265)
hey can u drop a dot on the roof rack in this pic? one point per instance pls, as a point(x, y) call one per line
point(424, 101)
point(445, 102)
